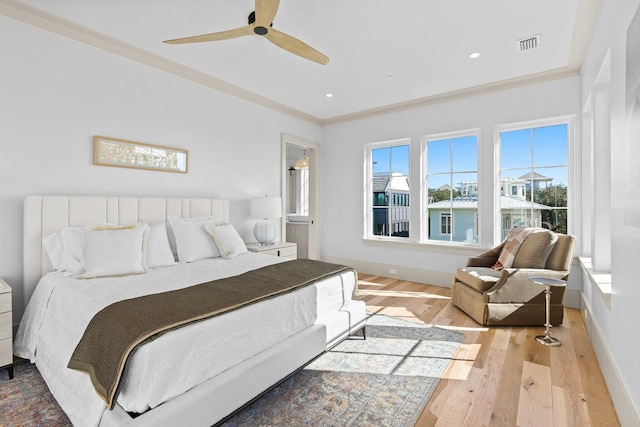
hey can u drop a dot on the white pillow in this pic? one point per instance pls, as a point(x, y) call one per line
point(73, 248)
point(114, 251)
point(53, 246)
point(191, 239)
point(227, 239)
point(159, 251)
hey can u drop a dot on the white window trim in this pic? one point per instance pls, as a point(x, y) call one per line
point(424, 216)
point(368, 194)
point(569, 120)
point(450, 216)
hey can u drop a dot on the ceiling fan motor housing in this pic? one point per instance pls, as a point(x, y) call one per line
point(261, 31)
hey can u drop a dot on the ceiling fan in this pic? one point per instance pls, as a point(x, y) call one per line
point(260, 23)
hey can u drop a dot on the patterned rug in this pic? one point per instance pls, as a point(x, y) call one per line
point(385, 380)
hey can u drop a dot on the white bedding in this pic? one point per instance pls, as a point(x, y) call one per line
point(61, 307)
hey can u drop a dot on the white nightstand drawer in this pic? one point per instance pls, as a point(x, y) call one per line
point(5, 325)
point(290, 251)
point(5, 302)
point(6, 352)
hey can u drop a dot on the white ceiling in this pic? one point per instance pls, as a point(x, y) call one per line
point(423, 44)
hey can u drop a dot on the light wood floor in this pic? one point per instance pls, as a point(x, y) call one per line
point(501, 376)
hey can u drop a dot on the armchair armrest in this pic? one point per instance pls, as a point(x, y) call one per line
point(486, 259)
point(518, 287)
point(481, 261)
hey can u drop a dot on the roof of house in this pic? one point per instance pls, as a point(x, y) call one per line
point(394, 181)
point(535, 176)
point(471, 202)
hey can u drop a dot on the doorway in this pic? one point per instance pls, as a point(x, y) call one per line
point(300, 195)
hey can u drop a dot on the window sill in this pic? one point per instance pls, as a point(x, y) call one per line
point(600, 280)
point(462, 249)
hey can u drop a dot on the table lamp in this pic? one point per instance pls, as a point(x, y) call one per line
point(266, 207)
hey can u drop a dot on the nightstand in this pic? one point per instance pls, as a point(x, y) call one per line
point(6, 329)
point(282, 249)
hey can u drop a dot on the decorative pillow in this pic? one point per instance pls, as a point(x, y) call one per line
point(535, 249)
point(191, 239)
point(159, 252)
point(53, 246)
point(227, 239)
point(114, 250)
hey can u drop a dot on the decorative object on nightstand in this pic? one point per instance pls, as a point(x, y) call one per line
point(6, 329)
point(266, 207)
point(547, 339)
point(282, 249)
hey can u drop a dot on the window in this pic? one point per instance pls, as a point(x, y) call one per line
point(451, 186)
point(388, 188)
point(445, 223)
point(534, 164)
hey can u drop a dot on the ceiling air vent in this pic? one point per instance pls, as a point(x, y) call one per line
point(529, 43)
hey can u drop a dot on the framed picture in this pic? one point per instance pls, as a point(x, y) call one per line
point(129, 154)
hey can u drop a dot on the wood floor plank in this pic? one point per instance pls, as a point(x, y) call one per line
point(569, 408)
point(500, 376)
point(535, 406)
point(480, 410)
point(505, 407)
point(599, 404)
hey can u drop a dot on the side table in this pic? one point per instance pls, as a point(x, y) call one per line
point(547, 339)
point(6, 329)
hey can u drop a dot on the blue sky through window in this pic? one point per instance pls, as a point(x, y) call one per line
point(545, 147)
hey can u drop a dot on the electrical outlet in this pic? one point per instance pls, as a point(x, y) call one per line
point(393, 271)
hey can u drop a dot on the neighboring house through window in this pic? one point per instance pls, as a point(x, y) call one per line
point(534, 176)
point(451, 186)
point(388, 187)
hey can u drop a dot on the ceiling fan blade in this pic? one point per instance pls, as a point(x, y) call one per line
point(295, 46)
point(265, 12)
point(222, 35)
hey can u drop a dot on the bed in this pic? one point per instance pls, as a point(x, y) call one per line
point(195, 375)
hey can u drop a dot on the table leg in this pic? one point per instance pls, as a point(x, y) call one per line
point(547, 339)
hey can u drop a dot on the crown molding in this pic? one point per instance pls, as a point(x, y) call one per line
point(585, 19)
point(514, 83)
point(47, 21)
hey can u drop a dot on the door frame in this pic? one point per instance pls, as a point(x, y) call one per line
point(313, 150)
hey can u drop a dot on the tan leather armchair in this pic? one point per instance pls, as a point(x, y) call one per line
point(507, 296)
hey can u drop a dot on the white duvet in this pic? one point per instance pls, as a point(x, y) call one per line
point(61, 307)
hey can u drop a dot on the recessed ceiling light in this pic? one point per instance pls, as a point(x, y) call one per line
point(388, 77)
point(328, 95)
point(474, 55)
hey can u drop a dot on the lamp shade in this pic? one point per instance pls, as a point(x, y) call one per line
point(266, 207)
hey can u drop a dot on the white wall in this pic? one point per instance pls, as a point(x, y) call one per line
point(343, 172)
point(55, 94)
point(615, 328)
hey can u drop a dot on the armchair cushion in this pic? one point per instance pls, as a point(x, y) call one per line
point(535, 249)
point(480, 278)
point(526, 247)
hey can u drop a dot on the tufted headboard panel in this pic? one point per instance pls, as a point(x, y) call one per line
point(46, 214)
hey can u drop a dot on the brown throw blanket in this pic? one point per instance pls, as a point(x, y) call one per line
point(115, 331)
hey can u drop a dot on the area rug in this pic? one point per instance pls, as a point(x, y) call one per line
point(383, 380)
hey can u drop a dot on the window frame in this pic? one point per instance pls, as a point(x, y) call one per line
point(448, 223)
point(569, 121)
point(368, 197)
point(424, 214)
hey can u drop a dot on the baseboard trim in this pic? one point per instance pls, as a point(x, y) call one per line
point(626, 410)
point(419, 275)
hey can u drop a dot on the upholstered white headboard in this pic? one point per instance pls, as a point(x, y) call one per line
point(45, 214)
